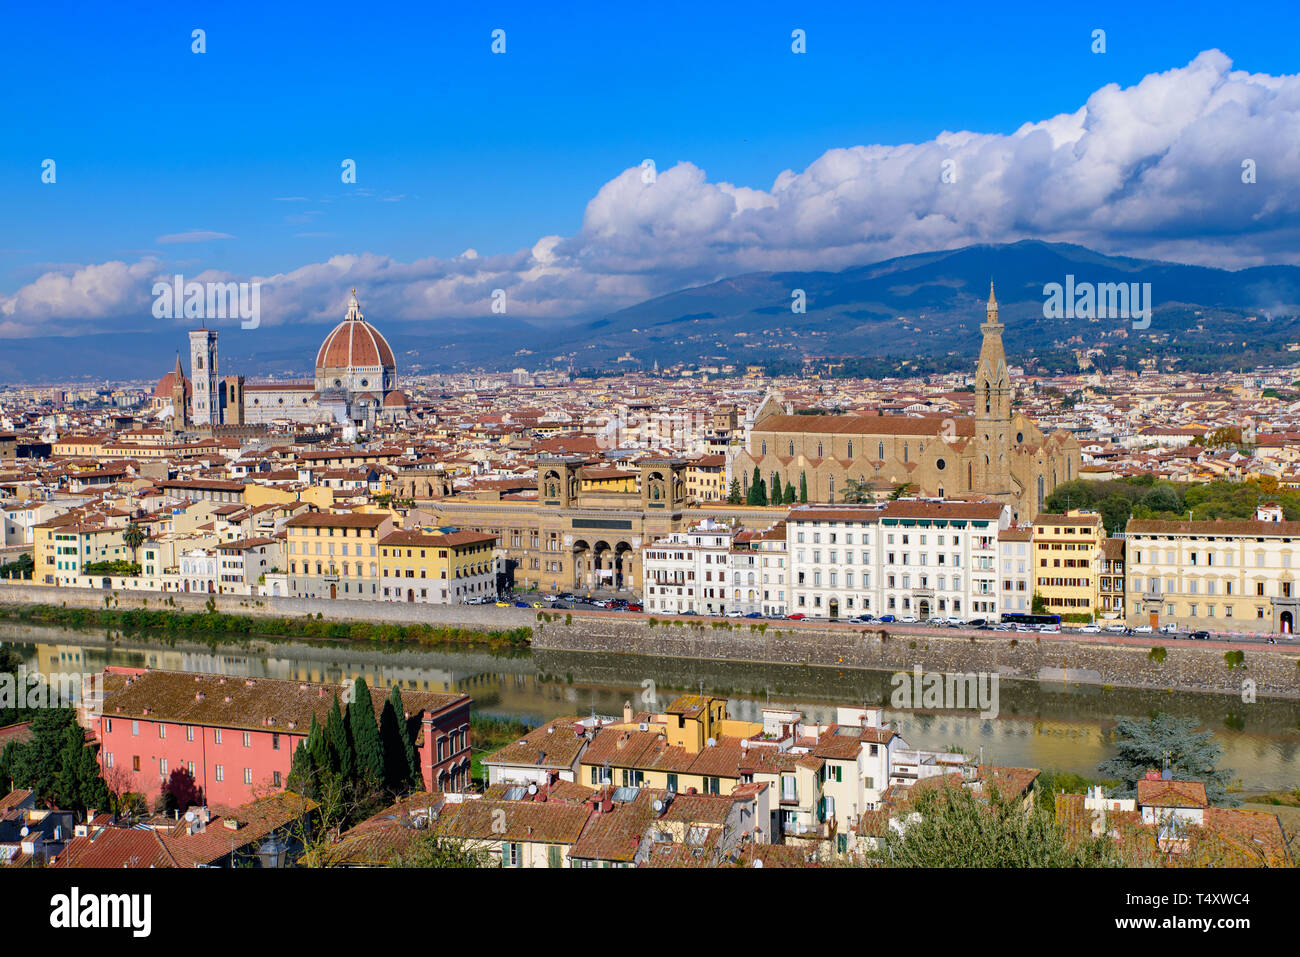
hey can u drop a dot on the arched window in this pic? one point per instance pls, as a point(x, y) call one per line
point(970, 477)
point(830, 482)
point(880, 451)
point(850, 450)
point(904, 451)
point(791, 448)
point(820, 454)
point(764, 448)
point(1040, 493)
point(988, 406)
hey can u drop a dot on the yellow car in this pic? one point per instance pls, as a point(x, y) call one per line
point(538, 604)
point(503, 604)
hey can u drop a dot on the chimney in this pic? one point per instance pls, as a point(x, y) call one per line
point(627, 712)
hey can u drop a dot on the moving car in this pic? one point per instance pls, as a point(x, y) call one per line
point(1201, 635)
point(908, 620)
point(1090, 629)
point(797, 616)
point(1142, 630)
point(887, 619)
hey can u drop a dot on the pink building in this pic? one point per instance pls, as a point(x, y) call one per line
point(237, 735)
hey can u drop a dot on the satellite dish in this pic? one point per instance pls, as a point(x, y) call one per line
point(190, 816)
point(532, 789)
point(658, 806)
point(758, 862)
point(25, 831)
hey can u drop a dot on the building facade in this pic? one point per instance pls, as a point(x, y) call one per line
point(994, 452)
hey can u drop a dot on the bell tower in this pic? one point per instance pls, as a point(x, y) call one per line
point(992, 408)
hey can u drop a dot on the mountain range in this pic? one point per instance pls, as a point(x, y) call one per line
point(913, 313)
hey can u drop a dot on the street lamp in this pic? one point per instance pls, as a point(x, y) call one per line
point(272, 852)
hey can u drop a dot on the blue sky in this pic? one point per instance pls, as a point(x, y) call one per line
point(458, 148)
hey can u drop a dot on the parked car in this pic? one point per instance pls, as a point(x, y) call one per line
point(958, 622)
point(1142, 630)
point(1201, 635)
point(887, 619)
point(754, 614)
point(797, 616)
point(908, 620)
point(634, 606)
point(503, 604)
point(1090, 629)
point(1168, 629)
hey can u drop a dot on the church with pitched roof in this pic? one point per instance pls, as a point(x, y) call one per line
point(996, 452)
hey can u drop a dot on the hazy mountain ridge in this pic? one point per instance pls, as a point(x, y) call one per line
point(927, 304)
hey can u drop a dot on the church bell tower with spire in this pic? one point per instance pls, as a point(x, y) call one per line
point(992, 465)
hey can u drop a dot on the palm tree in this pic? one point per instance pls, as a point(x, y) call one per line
point(134, 537)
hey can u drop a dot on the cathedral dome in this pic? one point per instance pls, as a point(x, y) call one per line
point(355, 344)
point(163, 390)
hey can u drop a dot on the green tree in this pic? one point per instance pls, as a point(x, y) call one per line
point(803, 487)
point(959, 829)
point(856, 491)
point(409, 753)
point(56, 763)
point(777, 494)
point(735, 496)
point(1162, 499)
point(755, 489)
point(435, 849)
point(789, 493)
point(364, 731)
point(133, 537)
point(1166, 741)
point(342, 756)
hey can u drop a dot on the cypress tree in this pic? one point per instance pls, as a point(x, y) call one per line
point(365, 734)
point(409, 752)
point(755, 488)
point(776, 489)
point(302, 777)
point(803, 487)
point(342, 758)
point(789, 493)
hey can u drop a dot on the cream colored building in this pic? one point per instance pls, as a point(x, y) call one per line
point(1215, 575)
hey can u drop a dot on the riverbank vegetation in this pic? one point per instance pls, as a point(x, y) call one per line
point(214, 624)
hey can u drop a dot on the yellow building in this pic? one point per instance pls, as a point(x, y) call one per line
point(692, 744)
point(63, 549)
point(1068, 552)
point(440, 567)
point(335, 555)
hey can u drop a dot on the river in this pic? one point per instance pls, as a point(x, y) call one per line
point(1039, 724)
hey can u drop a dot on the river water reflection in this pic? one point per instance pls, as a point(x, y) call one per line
point(1040, 725)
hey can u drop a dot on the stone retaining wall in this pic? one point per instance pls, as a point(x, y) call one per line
point(1275, 673)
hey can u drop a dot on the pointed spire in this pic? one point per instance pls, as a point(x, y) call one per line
point(991, 310)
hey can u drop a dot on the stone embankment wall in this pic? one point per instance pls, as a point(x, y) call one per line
point(1184, 667)
point(484, 617)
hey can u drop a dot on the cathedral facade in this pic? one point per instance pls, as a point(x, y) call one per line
point(355, 385)
point(996, 453)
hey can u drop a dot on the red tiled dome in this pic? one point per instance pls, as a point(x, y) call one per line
point(163, 390)
point(354, 342)
point(395, 400)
